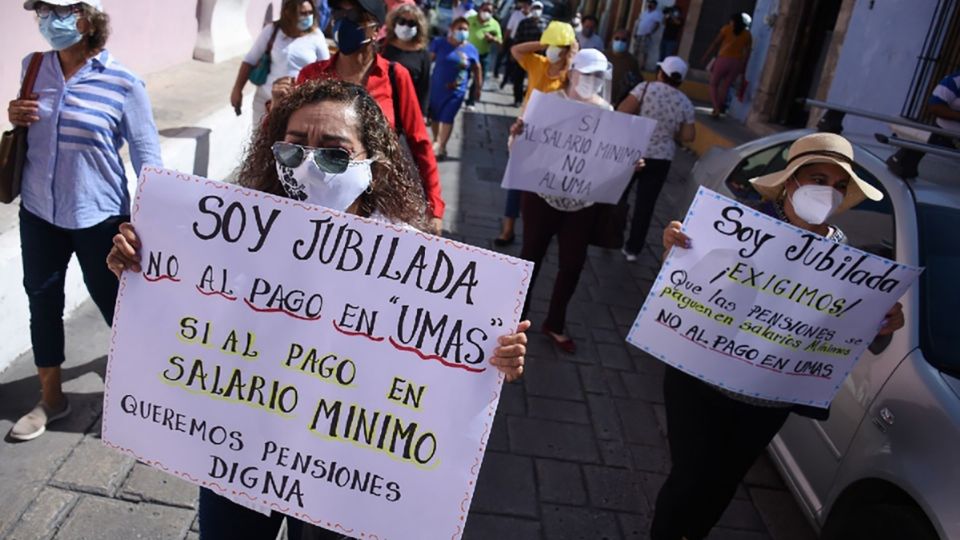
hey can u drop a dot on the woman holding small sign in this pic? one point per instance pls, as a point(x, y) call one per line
point(321, 129)
point(715, 434)
point(570, 220)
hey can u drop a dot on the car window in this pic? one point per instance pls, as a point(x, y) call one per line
point(870, 225)
point(768, 160)
point(939, 287)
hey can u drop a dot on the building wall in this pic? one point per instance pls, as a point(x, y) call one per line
point(147, 35)
point(874, 72)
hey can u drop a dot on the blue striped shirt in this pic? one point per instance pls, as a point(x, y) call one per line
point(74, 177)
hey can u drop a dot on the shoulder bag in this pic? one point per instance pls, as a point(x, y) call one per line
point(611, 219)
point(258, 75)
point(13, 145)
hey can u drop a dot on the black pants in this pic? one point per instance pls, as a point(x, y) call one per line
point(474, 90)
point(714, 440)
point(223, 519)
point(541, 222)
point(517, 76)
point(46, 250)
point(649, 182)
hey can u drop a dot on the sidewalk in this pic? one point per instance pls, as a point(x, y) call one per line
point(199, 133)
point(577, 451)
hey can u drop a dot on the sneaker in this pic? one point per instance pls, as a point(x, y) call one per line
point(470, 108)
point(629, 256)
point(34, 423)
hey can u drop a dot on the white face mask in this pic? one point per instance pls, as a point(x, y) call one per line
point(405, 33)
point(588, 85)
point(307, 183)
point(814, 204)
point(484, 16)
point(536, 12)
point(553, 54)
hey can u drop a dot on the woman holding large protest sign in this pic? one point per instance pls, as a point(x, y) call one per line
point(326, 143)
point(716, 434)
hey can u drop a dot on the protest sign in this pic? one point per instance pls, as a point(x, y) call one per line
point(575, 150)
point(326, 366)
point(763, 308)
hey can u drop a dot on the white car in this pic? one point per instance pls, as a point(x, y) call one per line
point(886, 464)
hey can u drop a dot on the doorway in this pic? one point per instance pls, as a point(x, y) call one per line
point(818, 19)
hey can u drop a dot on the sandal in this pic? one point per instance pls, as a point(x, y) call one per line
point(565, 345)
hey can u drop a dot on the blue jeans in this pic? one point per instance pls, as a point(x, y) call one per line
point(512, 209)
point(46, 250)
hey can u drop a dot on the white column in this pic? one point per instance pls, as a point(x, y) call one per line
point(222, 30)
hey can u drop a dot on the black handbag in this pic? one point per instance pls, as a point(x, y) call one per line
point(13, 145)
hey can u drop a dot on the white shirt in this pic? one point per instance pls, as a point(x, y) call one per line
point(289, 55)
point(670, 108)
point(592, 42)
point(647, 23)
point(514, 21)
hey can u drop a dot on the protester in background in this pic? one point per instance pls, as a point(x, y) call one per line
point(74, 190)
point(645, 28)
point(341, 122)
point(733, 45)
point(944, 105)
point(587, 37)
point(456, 59)
point(626, 70)
point(528, 30)
point(548, 73)
point(292, 42)
point(704, 475)
point(357, 23)
point(521, 10)
point(570, 220)
point(672, 25)
point(662, 101)
point(324, 15)
point(406, 41)
point(484, 33)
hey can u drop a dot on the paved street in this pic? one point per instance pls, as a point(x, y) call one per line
point(578, 448)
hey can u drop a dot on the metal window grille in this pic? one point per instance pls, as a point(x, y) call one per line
point(940, 57)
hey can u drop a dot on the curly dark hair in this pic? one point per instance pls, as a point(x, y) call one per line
point(395, 191)
point(96, 40)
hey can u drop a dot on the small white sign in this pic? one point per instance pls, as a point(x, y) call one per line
point(575, 150)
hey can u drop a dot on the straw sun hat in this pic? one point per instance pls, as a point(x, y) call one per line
point(818, 148)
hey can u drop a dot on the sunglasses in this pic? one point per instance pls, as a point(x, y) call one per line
point(61, 12)
point(407, 22)
point(329, 160)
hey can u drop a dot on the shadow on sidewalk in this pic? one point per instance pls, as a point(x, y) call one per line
point(21, 394)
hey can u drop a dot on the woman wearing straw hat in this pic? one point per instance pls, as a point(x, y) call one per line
point(715, 435)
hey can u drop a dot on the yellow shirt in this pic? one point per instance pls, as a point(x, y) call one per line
point(536, 66)
point(732, 45)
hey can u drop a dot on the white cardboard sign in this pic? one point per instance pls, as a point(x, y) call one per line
point(326, 366)
point(575, 150)
point(764, 309)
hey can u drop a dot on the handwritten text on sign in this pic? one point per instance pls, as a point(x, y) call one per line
point(575, 150)
point(763, 308)
point(332, 368)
